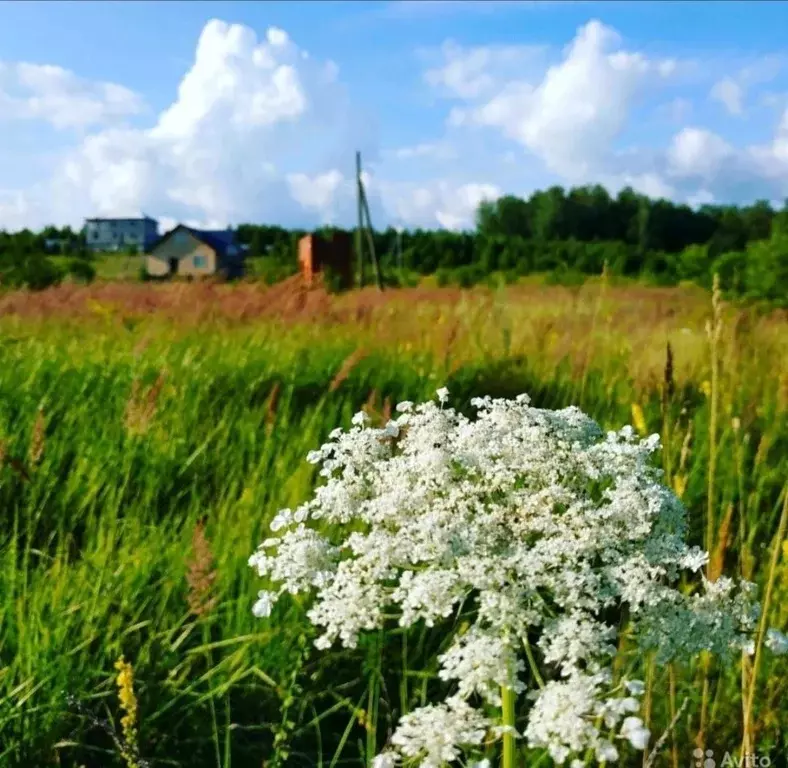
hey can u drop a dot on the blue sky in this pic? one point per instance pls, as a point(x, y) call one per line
point(450, 102)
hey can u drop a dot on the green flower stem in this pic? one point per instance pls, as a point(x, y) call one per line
point(507, 699)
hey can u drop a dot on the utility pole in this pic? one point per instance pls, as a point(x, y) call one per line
point(363, 212)
point(360, 225)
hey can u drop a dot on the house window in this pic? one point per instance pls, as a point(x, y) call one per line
point(199, 262)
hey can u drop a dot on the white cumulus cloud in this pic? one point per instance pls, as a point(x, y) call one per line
point(61, 98)
point(439, 203)
point(571, 117)
point(261, 131)
point(575, 115)
point(247, 113)
point(697, 152)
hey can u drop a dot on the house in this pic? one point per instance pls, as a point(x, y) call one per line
point(188, 252)
point(121, 234)
point(316, 253)
point(56, 244)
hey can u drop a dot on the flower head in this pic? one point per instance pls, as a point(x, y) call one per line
point(542, 527)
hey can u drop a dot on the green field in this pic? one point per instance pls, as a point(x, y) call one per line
point(124, 424)
point(110, 266)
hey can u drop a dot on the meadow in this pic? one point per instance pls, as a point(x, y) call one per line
point(150, 433)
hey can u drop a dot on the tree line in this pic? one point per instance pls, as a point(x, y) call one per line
point(566, 234)
point(572, 234)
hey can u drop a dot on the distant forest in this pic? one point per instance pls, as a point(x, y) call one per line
point(565, 235)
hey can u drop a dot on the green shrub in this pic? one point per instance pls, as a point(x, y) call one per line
point(29, 270)
point(563, 275)
point(81, 270)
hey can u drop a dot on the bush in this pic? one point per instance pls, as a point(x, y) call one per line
point(766, 268)
point(469, 275)
point(81, 270)
point(270, 269)
point(29, 270)
point(567, 276)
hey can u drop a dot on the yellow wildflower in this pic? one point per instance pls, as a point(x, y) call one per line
point(128, 703)
point(638, 419)
point(705, 387)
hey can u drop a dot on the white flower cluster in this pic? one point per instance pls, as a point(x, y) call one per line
point(566, 715)
point(541, 523)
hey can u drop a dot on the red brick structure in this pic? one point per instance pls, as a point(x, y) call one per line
point(316, 252)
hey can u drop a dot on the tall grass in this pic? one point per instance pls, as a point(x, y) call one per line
point(148, 438)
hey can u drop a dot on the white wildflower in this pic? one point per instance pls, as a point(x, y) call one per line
point(694, 559)
point(281, 519)
point(637, 734)
point(564, 714)
point(264, 604)
point(543, 529)
point(436, 733)
point(385, 760)
point(482, 663)
point(635, 687)
point(428, 595)
point(776, 642)
point(606, 752)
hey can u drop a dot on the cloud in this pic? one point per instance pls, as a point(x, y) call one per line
point(697, 152)
point(572, 116)
point(731, 90)
point(59, 97)
point(319, 193)
point(15, 206)
point(249, 117)
point(470, 73)
point(699, 198)
point(676, 110)
point(428, 149)
point(438, 203)
point(260, 130)
point(730, 94)
point(575, 116)
point(706, 167)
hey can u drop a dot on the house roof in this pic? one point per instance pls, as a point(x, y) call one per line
point(143, 217)
point(220, 240)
